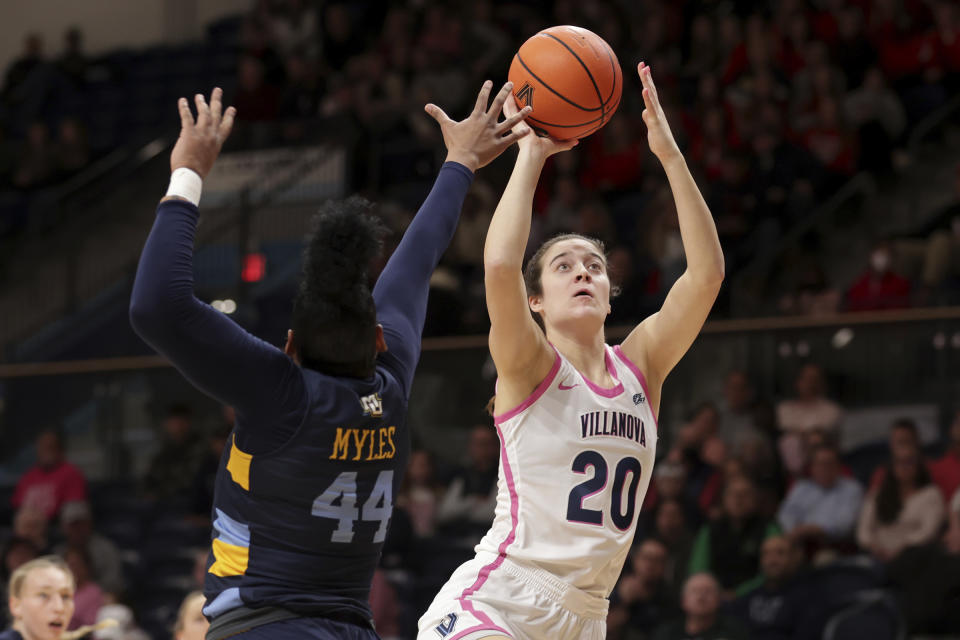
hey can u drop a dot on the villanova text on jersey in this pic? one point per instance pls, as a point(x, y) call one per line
point(613, 423)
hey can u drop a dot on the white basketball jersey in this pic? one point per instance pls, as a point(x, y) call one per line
point(575, 462)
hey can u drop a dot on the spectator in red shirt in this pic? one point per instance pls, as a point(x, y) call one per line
point(879, 287)
point(52, 481)
point(946, 470)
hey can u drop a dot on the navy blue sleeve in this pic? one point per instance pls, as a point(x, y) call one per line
point(214, 353)
point(401, 291)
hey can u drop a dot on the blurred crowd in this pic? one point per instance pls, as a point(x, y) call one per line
point(775, 105)
point(752, 514)
point(42, 141)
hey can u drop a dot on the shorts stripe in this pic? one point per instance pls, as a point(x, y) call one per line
point(485, 572)
point(479, 629)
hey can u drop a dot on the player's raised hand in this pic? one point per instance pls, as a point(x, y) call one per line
point(659, 136)
point(542, 146)
point(479, 138)
point(200, 140)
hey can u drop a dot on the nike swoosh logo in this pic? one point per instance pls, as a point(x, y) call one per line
point(564, 387)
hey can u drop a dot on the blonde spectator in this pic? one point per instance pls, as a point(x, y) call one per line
point(191, 624)
point(41, 602)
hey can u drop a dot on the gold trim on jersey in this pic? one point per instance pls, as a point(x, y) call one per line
point(239, 465)
point(230, 559)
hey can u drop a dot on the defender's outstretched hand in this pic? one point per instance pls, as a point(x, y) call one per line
point(542, 146)
point(477, 140)
point(200, 141)
point(659, 136)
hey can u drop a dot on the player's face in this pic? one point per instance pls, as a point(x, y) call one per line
point(195, 625)
point(45, 604)
point(575, 284)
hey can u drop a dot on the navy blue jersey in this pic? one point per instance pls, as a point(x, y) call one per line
point(302, 526)
point(308, 480)
point(10, 634)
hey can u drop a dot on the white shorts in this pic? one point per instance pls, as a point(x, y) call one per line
point(492, 595)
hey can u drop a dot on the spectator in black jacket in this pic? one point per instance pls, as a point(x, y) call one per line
point(778, 607)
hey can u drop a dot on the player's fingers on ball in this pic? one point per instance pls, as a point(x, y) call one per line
point(186, 118)
point(514, 120)
point(500, 100)
point(483, 97)
point(226, 125)
point(513, 136)
point(510, 106)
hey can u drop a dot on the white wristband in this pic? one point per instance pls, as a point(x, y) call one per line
point(186, 183)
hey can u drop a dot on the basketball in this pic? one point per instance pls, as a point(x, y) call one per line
point(572, 80)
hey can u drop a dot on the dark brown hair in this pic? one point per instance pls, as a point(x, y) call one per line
point(889, 501)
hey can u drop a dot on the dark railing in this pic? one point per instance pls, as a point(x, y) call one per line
point(908, 359)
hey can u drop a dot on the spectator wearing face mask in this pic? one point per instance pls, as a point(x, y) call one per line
point(879, 287)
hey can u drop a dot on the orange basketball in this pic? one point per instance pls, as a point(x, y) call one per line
point(571, 78)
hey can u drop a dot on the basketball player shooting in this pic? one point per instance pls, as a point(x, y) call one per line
point(576, 418)
point(306, 486)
